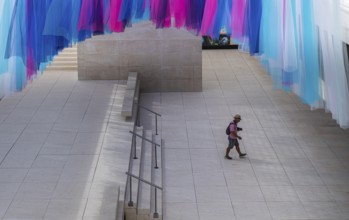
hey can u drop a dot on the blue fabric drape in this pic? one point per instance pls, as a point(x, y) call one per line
point(309, 42)
point(254, 15)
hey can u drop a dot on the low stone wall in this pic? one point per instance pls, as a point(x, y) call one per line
point(167, 60)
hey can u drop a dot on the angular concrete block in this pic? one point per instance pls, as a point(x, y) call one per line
point(131, 84)
point(159, 56)
point(133, 74)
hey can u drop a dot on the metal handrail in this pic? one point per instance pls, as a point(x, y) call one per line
point(130, 164)
point(154, 144)
point(138, 119)
point(150, 141)
point(134, 143)
point(146, 139)
point(156, 214)
point(144, 181)
point(156, 153)
point(162, 172)
point(148, 109)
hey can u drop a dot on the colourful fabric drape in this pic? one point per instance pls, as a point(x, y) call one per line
point(15, 51)
point(271, 42)
point(335, 82)
point(309, 77)
point(195, 15)
point(254, 13)
point(6, 9)
point(209, 17)
point(237, 20)
point(290, 46)
point(299, 43)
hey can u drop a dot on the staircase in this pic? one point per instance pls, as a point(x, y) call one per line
point(143, 192)
point(66, 60)
point(142, 200)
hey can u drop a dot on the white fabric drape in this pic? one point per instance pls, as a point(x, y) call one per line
point(331, 44)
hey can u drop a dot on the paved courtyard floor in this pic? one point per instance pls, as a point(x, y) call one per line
point(60, 138)
point(297, 164)
point(64, 148)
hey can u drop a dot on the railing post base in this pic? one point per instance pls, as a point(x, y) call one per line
point(156, 167)
point(135, 158)
point(130, 204)
point(156, 215)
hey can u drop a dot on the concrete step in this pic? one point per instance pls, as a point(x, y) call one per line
point(70, 49)
point(64, 63)
point(55, 68)
point(144, 190)
point(68, 54)
point(66, 68)
point(130, 210)
point(156, 178)
point(66, 58)
point(120, 208)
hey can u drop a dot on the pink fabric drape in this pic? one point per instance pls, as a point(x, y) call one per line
point(115, 24)
point(179, 10)
point(237, 19)
point(209, 17)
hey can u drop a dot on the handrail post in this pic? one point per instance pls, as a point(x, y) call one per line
point(156, 157)
point(134, 144)
point(156, 124)
point(156, 214)
point(138, 118)
point(130, 202)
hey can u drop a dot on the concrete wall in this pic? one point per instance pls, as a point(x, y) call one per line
point(168, 60)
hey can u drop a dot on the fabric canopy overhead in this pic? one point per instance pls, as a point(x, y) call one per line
point(302, 49)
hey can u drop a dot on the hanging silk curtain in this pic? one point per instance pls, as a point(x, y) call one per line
point(290, 46)
point(270, 42)
point(249, 38)
point(126, 12)
point(300, 47)
point(141, 10)
point(92, 16)
point(237, 20)
point(195, 15)
point(6, 9)
point(39, 48)
point(161, 15)
point(15, 51)
point(309, 71)
point(115, 24)
point(6, 77)
point(179, 11)
point(209, 17)
point(336, 93)
point(16, 42)
point(62, 20)
point(222, 19)
point(254, 13)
